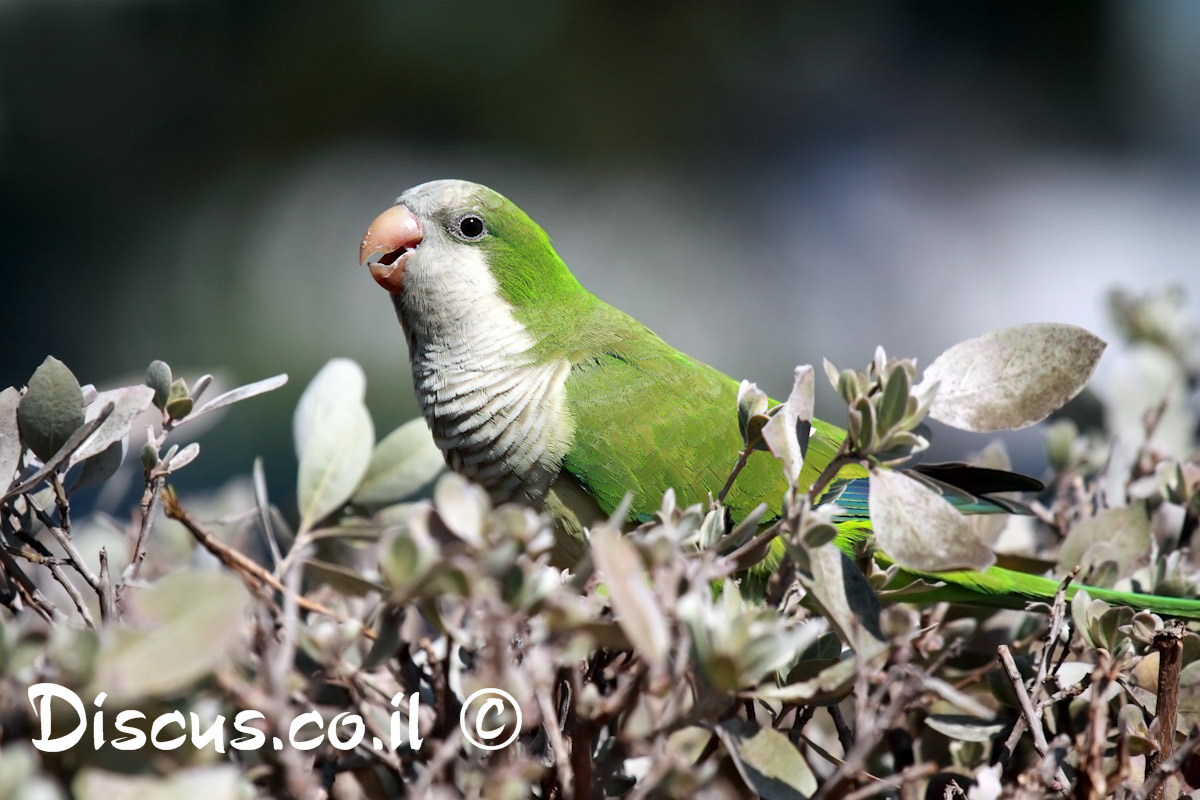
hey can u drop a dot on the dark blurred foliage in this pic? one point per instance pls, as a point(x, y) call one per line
point(122, 123)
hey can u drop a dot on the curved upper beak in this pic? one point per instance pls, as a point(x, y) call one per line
point(387, 244)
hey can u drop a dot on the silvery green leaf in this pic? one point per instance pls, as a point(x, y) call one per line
point(879, 363)
point(846, 599)
point(102, 466)
point(10, 437)
point(751, 402)
point(150, 448)
point(712, 529)
point(190, 621)
point(179, 408)
point(1072, 673)
point(63, 453)
point(768, 762)
point(51, 410)
point(831, 373)
point(128, 404)
point(636, 606)
point(184, 457)
point(818, 534)
point(894, 403)
point(963, 728)
point(216, 782)
point(462, 506)
point(239, 394)
point(830, 685)
point(1142, 378)
point(158, 379)
point(387, 636)
point(407, 554)
point(745, 529)
point(179, 401)
point(786, 434)
point(404, 463)
point(337, 383)
point(334, 438)
point(958, 698)
point(1085, 613)
point(919, 530)
point(1117, 534)
point(1013, 377)
point(867, 427)
point(344, 579)
point(198, 388)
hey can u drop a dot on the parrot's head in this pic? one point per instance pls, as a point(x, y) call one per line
point(448, 248)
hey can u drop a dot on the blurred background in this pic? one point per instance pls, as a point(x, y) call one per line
point(762, 184)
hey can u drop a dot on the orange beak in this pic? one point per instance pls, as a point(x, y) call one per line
point(387, 244)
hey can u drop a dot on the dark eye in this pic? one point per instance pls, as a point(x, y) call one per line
point(470, 226)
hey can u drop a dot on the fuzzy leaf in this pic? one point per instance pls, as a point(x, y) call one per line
point(102, 466)
point(462, 506)
point(189, 621)
point(829, 686)
point(895, 399)
point(51, 410)
point(239, 394)
point(62, 454)
point(1013, 377)
point(918, 529)
point(404, 462)
point(636, 606)
point(1142, 378)
point(128, 404)
point(334, 438)
point(846, 598)
point(786, 434)
point(344, 579)
point(751, 402)
point(770, 765)
point(184, 457)
point(406, 554)
point(158, 380)
point(10, 438)
point(215, 782)
point(1121, 535)
point(963, 728)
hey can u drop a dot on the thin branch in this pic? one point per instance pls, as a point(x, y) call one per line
point(264, 510)
point(1169, 644)
point(29, 590)
point(254, 575)
point(743, 457)
point(78, 563)
point(914, 773)
point(107, 601)
point(1030, 714)
point(149, 506)
point(558, 747)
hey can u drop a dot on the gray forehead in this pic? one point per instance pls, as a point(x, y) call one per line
point(434, 196)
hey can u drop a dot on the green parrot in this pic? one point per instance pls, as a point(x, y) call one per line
point(543, 394)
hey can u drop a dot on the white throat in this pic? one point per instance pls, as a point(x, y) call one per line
point(498, 417)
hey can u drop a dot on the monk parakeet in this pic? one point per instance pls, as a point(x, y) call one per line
point(542, 393)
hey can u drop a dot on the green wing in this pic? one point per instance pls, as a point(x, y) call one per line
point(648, 418)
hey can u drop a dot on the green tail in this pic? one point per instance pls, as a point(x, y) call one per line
point(1005, 588)
point(996, 587)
